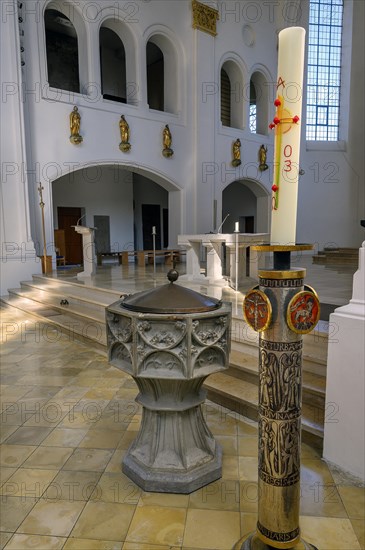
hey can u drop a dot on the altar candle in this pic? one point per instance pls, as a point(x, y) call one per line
point(287, 123)
point(153, 230)
point(237, 227)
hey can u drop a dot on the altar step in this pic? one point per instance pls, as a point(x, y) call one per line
point(337, 256)
point(73, 309)
point(82, 317)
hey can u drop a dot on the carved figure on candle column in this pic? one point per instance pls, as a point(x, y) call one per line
point(167, 140)
point(262, 158)
point(124, 145)
point(236, 149)
point(75, 122)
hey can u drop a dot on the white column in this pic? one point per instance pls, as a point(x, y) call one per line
point(214, 261)
point(344, 426)
point(241, 263)
point(192, 257)
point(206, 99)
point(18, 257)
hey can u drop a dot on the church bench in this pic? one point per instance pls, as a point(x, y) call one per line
point(170, 255)
point(121, 256)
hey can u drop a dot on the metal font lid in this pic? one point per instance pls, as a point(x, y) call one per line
point(170, 298)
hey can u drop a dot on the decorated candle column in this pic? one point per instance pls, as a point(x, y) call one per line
point(281, 308)
point(287, 127)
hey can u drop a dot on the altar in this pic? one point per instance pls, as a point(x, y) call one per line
point(217, 263)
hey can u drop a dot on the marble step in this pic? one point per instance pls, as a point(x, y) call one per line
point(92, 294)
point(242, 397)
point(90, 301)
point(74, 304)
point(78, 327)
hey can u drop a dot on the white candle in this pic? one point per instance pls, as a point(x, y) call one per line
point(237, 227)
point(287, 124)
point(153, 230)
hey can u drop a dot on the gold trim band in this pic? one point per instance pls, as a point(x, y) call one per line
point(298, 273)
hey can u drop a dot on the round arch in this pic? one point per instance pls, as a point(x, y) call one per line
point(130, 43)
point(236, 71)
point(261, 80)
point(73, 13)
point(248, 202)
point(166, 41)
point(116, 192)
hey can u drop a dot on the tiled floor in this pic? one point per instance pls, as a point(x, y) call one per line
point(68, 418)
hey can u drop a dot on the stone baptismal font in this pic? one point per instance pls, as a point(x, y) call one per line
point(169, 340)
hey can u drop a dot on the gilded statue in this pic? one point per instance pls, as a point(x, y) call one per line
point(262, 158)
point(75, 122)
point(167, 140)
point(124, 135)
point(236, 149)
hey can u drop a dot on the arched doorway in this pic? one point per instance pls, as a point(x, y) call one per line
point(247, 202)
point(124, 205)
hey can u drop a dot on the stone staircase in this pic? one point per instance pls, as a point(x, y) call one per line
point(79, 311)
point(337, 256)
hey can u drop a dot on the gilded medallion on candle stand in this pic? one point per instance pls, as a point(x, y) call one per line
point(303, 312)
point(257, 310)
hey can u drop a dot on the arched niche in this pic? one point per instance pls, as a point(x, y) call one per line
point(162, 74)
point(118, 36)
point(113, 74)
point(66, 47)
point(62, 51)
point(231, 95)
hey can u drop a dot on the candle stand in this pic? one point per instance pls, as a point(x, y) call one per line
point(281, 308)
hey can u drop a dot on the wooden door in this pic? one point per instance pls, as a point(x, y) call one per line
point(67, 217)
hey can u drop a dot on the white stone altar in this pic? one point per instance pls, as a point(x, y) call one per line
point(213, 242)
point(88, 250)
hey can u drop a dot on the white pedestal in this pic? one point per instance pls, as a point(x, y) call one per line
point(344, 428)
point(88, 250)
point(193, 260)
point(213, 243)
point(214, 261)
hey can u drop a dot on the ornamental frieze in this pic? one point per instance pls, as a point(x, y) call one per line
point(205, 18)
